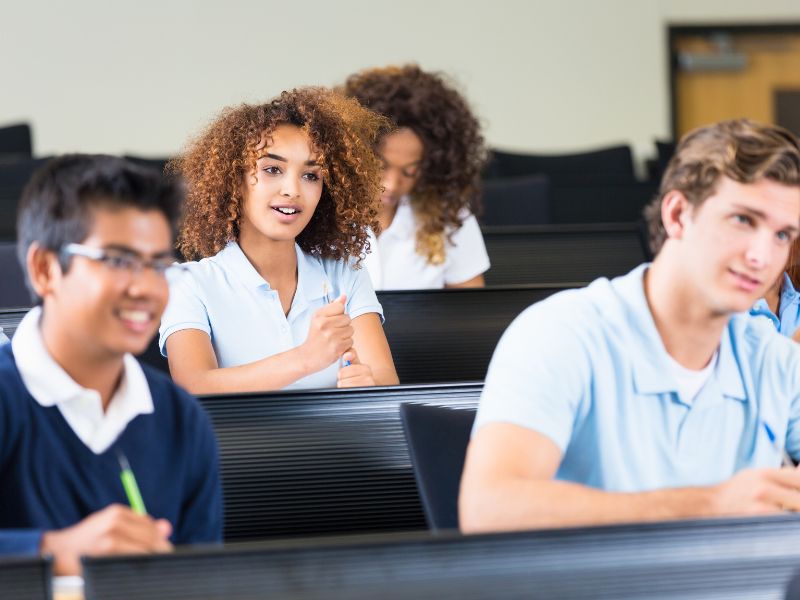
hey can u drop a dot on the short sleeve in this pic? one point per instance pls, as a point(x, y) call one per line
point(361, 297)
point(540, 373)
point(185, 310)
point(466, 256)
point(791, 379)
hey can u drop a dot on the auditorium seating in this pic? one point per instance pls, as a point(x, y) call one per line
point(25, 578)
point(516, 201)
point(15, 142)
point(575, 254)
point(614, 161)
point(14, 176)
point(321, 461)
point(13, 292)
point(735, 559)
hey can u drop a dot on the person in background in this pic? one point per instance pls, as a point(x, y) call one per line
point(655, 395)
point(428, 237)
point(95, 236)
point(280, 200)
point(781, 304)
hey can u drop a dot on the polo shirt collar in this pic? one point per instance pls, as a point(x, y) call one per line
point(312, 282)
point(651, 372)
point(402, 226)
point(50, 385)
point(788, 294)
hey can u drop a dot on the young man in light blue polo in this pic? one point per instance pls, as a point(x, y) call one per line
point(654, 395)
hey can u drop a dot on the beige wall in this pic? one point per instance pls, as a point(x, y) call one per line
point(544, 75)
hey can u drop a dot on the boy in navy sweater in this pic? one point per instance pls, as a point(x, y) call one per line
point(95, 234)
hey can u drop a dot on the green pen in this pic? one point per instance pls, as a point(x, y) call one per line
point(129, 483)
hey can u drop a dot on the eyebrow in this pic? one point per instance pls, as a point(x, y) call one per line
point(309, 163)
point(129, 250)
point(761, 215)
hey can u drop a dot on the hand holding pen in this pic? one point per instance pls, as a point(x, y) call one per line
point(330, 334)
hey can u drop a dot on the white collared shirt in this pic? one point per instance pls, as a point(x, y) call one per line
point(82, 408)
point(225, 297)
point(395, 264)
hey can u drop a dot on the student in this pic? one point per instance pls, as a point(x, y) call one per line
point(95, 235)
point(431, 176)
point(648, 397)
point(781, 304)
point(280, 197)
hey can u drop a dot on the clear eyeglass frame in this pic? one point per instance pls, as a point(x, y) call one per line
point(125, 262)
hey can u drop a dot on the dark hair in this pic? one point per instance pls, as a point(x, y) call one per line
point(453, 149)
point(57, 204)
point(741, 150)
point(343, 132)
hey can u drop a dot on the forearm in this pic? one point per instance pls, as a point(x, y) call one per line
point(514, 504)
point(270, 373)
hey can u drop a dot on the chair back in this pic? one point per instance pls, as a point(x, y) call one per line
point(437, 438)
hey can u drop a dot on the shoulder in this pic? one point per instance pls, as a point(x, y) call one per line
point(757, 341)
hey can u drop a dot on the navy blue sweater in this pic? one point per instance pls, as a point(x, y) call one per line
point(50, 480)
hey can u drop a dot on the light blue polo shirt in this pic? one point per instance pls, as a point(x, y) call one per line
point(789, 308)
point(588, 369)
point(226, 297)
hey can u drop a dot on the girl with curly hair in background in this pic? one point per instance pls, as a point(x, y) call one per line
point(280, 198)
point(431, 176)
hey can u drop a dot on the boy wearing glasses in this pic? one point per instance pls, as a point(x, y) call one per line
point(95, 235)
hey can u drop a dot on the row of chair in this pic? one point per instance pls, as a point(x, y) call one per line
point(731, 559)
point(435, 335)
point(540, 255)
point(536, 200)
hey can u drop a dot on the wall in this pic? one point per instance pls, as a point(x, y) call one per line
point(556, 75)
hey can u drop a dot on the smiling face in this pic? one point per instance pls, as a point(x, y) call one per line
point(280, 196)
point(104, 311)
point(401, 153)
point(736, 243)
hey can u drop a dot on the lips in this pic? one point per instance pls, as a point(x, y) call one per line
point(136, 320)
point(745, 282)
point(286, 213)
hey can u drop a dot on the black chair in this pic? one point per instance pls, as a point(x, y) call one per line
point(561, 254)
point(15, 142)
point(321, 462)
point(606, 202)
point(516, 201)
point(13, 177)
point(613, 162)
point(13, 292)
point(735, 559)
point(437, 438)
point(440, 335)
point(25, 578)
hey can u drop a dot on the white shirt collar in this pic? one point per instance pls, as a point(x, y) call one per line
point(81, 408)
point(403, 225)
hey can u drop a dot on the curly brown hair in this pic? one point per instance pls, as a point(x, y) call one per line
point(342, 133)
point(454, 152)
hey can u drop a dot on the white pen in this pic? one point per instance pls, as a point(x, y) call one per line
point(342, 362)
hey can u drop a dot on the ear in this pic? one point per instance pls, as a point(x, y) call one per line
point(676, 211)
point(43, 269)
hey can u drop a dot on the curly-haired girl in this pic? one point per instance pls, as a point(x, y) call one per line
point(432, 165)
point(280, 198)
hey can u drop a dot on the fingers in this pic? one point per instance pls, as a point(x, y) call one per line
point(351, 356)
point(122, 530)
point(355, 375)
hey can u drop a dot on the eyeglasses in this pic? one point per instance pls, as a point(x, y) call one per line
point(125, 262)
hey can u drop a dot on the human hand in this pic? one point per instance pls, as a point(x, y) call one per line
point(114, 530)
point(758, 491)
point(356, 374)
point(329, 335)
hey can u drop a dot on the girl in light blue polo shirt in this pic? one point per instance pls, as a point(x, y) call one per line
point(280, 198)
point(782, 302)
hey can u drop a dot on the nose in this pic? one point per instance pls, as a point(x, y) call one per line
point(145, 282)
point(290, 188)
point(760, 250)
